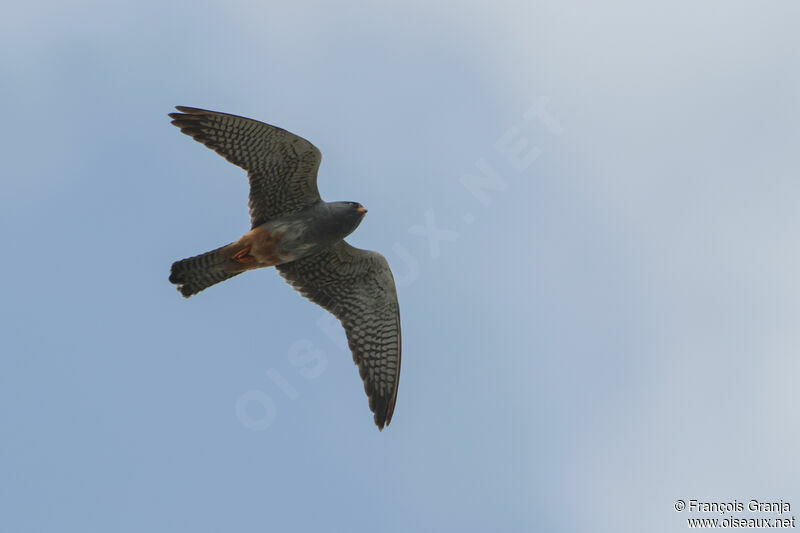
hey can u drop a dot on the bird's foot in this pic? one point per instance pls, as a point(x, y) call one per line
point(243, 256)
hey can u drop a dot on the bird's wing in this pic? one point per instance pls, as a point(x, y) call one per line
point(358, 288)
point(282, 167)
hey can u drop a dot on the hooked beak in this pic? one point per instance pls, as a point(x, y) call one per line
point(361, 209)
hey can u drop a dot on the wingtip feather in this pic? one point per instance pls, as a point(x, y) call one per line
point(190, 110)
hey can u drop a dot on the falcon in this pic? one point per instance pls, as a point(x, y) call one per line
point(302, 236)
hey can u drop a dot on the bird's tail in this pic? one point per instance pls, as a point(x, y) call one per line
point(196, 273)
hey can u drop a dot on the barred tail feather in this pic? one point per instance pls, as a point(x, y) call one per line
point(196, 273)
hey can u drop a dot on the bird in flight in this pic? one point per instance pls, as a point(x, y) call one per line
point(302, 236)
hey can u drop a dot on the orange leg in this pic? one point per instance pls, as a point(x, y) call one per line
point(243, 257)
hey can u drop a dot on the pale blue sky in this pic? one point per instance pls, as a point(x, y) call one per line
point(607, 325)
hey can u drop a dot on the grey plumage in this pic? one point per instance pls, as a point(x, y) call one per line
point(281, 166)
point(200, 272)
point(357, 287)
point(294, 230)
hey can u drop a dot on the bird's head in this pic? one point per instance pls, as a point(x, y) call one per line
point(349, 214)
